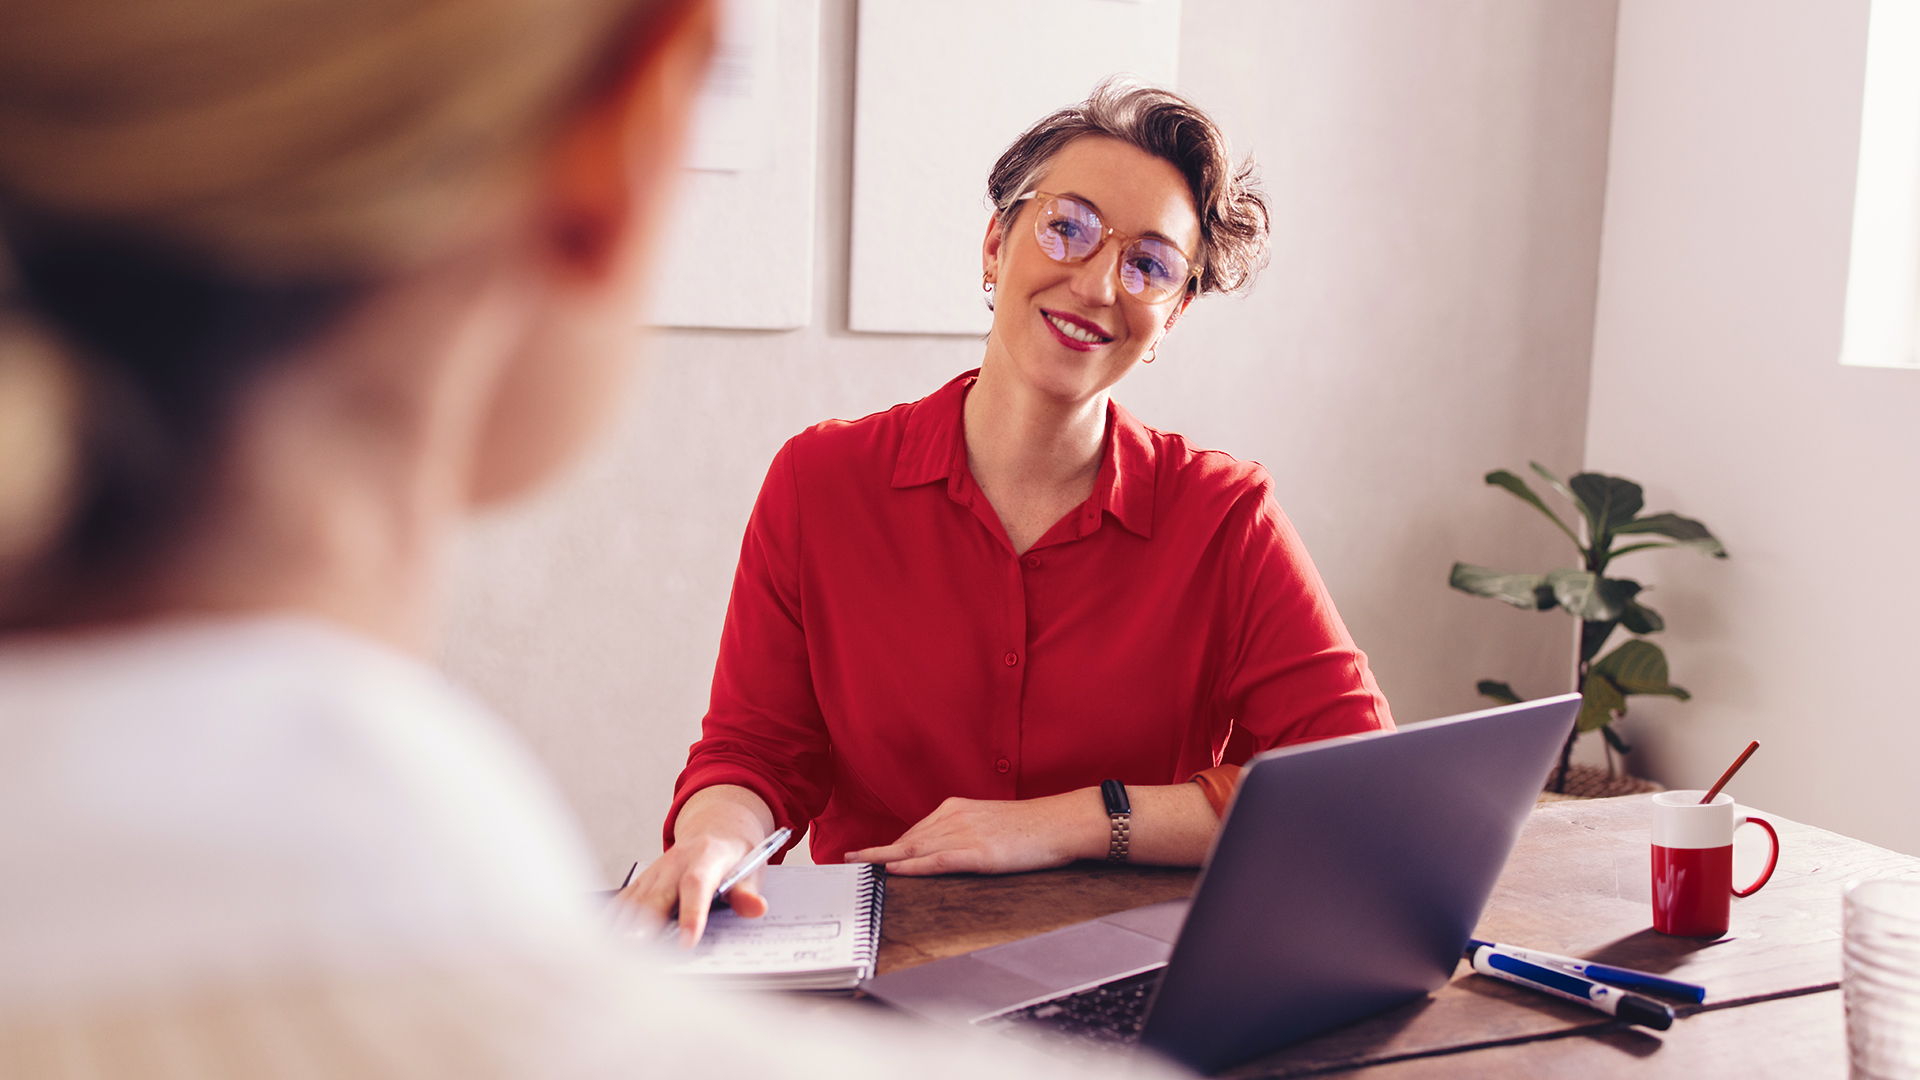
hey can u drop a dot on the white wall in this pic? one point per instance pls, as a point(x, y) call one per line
point(1437, 174)
point(1716, 382)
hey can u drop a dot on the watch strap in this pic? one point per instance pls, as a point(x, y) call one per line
point(1119, 819)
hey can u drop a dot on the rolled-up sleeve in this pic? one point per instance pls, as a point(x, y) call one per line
point(1296, 674)
point(763, 730)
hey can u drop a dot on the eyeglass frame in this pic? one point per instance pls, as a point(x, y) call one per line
point(1108, 232)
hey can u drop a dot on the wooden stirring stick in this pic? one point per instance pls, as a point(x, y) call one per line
point(1731, 769)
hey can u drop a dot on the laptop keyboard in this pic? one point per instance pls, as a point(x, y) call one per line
point(1108, 1015)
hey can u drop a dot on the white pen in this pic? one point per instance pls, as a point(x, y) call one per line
point(1624, 978)
point(753, 860)
point(1617, 1003)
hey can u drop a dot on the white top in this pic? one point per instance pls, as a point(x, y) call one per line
point(265, 847)
point(230, 799)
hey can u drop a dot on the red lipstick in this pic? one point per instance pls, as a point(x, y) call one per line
point(1077, 323)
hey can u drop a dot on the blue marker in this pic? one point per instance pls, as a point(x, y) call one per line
point(1626, 978)
point(1632, 1008)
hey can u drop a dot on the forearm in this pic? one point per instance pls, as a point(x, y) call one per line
point(724, 810)
point(1173, 824)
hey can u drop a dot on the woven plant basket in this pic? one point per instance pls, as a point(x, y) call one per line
point(1593, 782)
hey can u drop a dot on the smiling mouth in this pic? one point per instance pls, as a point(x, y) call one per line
point(1076, 331)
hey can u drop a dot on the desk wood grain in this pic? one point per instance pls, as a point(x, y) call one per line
point(930, 918)
point(1580, 879)
point(1577, 883)
point(1802, 1037)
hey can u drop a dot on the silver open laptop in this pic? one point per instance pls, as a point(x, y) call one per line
point(1345, 880)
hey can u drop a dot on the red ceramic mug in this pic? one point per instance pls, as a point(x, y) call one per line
point(1693, 862)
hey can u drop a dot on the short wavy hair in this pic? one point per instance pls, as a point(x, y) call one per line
point(1234, 220)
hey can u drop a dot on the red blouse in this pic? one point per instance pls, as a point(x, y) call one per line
point(884, 648)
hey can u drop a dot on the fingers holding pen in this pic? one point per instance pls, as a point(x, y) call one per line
point(720, 830)
point(682, 880)
point(695, 895)
point(741, 885)
point(647, 902)
point(690, 876)
point(746, 899)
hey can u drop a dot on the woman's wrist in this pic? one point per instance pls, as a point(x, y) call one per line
point(724, 810)
point(1091, 827)
point(1170, 824)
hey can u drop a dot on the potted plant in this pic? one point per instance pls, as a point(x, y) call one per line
point(1610, 508)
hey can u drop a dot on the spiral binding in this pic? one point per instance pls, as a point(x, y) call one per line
point(873, 898)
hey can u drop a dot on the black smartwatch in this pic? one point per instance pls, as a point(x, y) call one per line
point(1120, 816)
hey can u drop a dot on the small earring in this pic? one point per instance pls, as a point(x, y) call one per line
point(987, 287)
point(1151, 353)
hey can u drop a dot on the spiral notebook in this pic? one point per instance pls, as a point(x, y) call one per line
point(821, 932)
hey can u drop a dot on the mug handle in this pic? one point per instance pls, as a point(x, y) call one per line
point(1773, 857)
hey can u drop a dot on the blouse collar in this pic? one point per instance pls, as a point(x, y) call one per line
point(934, 447)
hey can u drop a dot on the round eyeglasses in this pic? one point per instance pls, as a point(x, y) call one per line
point(1069, 231)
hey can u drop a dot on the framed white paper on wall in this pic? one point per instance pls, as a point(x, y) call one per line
point(738, 248)
point(1883, 272)
point(942, 88)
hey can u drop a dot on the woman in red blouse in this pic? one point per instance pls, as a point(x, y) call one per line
point(952, 621)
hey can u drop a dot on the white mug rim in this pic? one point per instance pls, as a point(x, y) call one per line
point(1689, 800)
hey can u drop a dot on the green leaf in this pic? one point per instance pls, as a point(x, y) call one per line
point(1593, 637)
point(1631, 548)
point(1498, 691)
point(1609, 501)
point(1527, 591)
point(1612, 500)
point(1639, 667)
point(1618, 594)
point(1600, 700)
point(1558, 485)
point(1573, 589)
point(1687, 532)
point(1589, 596)
point(1638, 618)
point(1505, 479)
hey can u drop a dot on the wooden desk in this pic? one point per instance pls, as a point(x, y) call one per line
point(1578, 884)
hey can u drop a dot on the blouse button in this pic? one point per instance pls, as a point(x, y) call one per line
point(1012, 659)
point(1033, 562)
point(1003, 765)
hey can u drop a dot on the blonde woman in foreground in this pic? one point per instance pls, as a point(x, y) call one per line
point(290, 286)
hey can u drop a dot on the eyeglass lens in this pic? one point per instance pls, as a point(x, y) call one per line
point(1068, 230)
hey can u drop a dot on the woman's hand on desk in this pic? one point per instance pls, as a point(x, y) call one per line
point(715, 829)
point(985, 836)
point(1172, 826)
